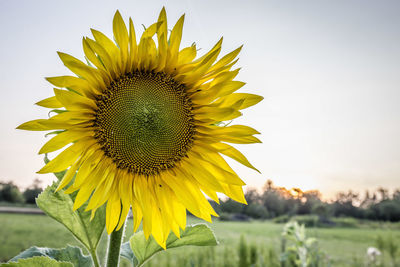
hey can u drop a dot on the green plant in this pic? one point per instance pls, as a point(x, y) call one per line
point(298, 250)
point(243, 252)
point(253, 254)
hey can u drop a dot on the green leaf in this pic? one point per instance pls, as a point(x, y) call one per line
point(69, 254)
point(38, 262)
point(58, 205)
point(195, 235)
point(127, 253)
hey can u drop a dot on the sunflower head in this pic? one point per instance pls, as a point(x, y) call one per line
point(143, 122)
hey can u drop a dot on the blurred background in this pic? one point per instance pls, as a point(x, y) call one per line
point(330, 120)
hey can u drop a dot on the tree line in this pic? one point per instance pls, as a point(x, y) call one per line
point(273, 201)
point(10, 193)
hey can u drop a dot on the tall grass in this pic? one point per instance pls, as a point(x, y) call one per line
point(341, 247)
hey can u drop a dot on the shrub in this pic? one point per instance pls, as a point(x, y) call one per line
point(256, 211)
point(307, 220)
point(10, 193)
point(345, 222)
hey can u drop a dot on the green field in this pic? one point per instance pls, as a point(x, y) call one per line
point(341, 246)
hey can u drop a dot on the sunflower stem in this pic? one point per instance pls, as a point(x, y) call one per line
point(95, 258)
point(114, 246)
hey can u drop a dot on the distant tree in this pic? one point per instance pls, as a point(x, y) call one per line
point(321, 209)
point(384, 193)
point(275, 201)
point(31, 193)
point(309, 199)
point(216, 206)
point(396, 195)
point(231, 206)
point(256, 211)
point(252, 196)
point(368, 200)
point(272, 200)
point(345, 204)
point(9, 192)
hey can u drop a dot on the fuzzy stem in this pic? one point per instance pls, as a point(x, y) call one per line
point(95, 259)
point(114, 246)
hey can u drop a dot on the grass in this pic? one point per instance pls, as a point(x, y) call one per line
point(343, 246)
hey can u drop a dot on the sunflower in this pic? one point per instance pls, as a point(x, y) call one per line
point(145, 125)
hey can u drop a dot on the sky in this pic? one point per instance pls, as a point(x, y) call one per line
point(329, 72)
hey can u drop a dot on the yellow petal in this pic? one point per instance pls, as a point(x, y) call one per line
point(215, 47)
point(88, 73)
point(65, 158)
point(146, 202)
point(73, 101)
point(75, 117)
point(106, 59)
point(234, 130)
point(163, 196)
point(44, 125)
point(187, 54)
point(182, 193)
point(225, 76)
point(216, 91)
point(77, 84)
point(176, 36)
point(69, 175)
point(99, 196)
point(233, 153)
point(202, 68)
point(125, 205)
point(132, 46)
point(235, 192)
point(50, 102)
point(113, 212)
point(162, 19)
point(217, 114)
point(121, 37)
point(91, 55)
point(87, 168)
point(240, 140)
point(205, 180)
point(174, 43)
point(213, 165)
point(137, 215)
point(248, 100)
point(193, 187)
point(203, 176)
point(162, 52)
point(83, 195)
point(162, 33)
point(63, 139)
point(157, 229)
point(105, 42)
point(226, 59)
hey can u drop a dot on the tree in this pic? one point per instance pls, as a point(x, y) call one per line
point(10, 193)
point(33, 191)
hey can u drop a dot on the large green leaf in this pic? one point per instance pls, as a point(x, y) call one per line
point(58, 205)
point(69, 254)
point(195, 235)
point(126, 252)
point(37, 262)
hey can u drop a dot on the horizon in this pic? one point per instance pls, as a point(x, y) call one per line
point(330, 118)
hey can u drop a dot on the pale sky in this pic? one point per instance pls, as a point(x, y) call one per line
point(329, 72)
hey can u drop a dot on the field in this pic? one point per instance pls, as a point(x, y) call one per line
point(341, 246)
